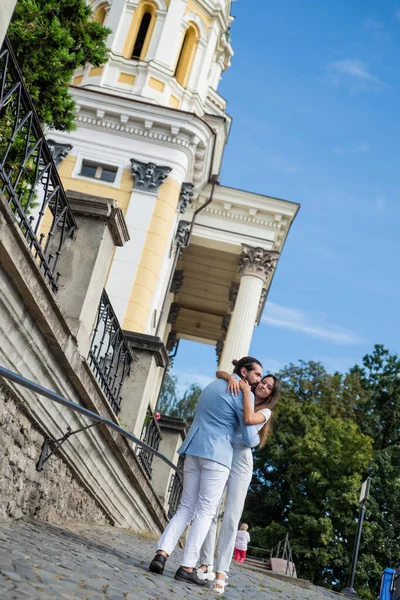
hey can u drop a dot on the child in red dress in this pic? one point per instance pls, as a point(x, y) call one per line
point(242, 539)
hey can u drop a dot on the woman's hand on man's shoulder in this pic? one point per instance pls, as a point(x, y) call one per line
point(244, 385)
point(233, 385)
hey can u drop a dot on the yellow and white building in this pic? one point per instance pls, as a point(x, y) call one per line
point(151, 132)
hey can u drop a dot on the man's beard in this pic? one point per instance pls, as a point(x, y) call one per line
point(252, 385)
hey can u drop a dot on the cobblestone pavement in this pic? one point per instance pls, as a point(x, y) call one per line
point(39, 561)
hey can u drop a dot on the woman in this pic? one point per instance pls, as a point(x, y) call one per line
point(266, 396)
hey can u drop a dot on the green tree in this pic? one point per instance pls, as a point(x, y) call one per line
point(51, 39)
point(169, 395)
point(379, 417)
point(170, 404)
point(186, 406)
point(307, 478)
point(380, 412)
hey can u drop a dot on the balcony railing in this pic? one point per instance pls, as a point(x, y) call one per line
point(28, 175)
point(151, 435)
point(175, 495)
point(109, 356)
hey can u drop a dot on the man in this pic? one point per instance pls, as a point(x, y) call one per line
point(208, 451)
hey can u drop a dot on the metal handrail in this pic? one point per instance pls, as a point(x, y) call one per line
point(42, 391)
point(261, 549)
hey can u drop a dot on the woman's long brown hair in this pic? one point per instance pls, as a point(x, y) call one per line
point(271, 402)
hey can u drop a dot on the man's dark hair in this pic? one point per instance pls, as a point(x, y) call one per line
point(247, 362)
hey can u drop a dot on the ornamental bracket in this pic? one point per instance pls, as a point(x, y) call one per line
point(185, 197)
point(58, 151)
point(51, 446)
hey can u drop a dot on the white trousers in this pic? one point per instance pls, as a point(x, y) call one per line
point(203, 483)
point(236, 492)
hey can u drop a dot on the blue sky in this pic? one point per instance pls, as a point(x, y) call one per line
point(314, 92)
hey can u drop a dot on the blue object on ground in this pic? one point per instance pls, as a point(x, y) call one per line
point(386, 584)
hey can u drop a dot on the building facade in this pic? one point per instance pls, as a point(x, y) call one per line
point(151, 132)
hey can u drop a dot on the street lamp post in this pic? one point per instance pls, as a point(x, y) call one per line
point(349, 591)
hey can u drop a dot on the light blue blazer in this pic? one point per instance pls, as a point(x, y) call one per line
point(218, 415)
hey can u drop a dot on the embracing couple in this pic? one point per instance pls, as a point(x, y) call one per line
point(228, 422)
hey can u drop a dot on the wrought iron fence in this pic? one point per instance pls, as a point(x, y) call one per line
point(151, 435)
point(28, 176)
point(109, 355)
point(175, 494)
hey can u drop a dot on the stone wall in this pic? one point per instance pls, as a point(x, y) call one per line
point(53, 495)
point(36, 341)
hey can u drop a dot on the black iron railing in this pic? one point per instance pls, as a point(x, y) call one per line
point(109, 355)
point(175, 494)
point(151, 435)
point(28, 174)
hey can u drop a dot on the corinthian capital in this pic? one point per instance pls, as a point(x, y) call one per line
point(257, 261)
point(148, 176)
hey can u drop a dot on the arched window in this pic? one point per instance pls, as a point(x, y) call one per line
point(100, 13)
point(141, 36)
point(140, 31)
point(186, 56)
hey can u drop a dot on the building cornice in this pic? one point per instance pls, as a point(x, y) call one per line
point(256, 201)
point(235, 217)
point(137, 131)
point(256, 213)
point(231, 213)
point(155, 124)
point(148, 343)
point(136, 106)
point(221, 12)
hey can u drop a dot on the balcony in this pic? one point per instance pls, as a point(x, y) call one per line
point(152, 436)
point(109, 356)
point(175, 495)
point(29, 179)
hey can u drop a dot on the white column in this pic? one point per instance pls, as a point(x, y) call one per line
point(206, 66)
point(198, 65)
point(156, 35)
point(240, 332)
point(171, 36)
point(126, 260)
point(147, 179)
point(216, 75)
point(256, 264)
point(6, 12)
point(119, 20)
